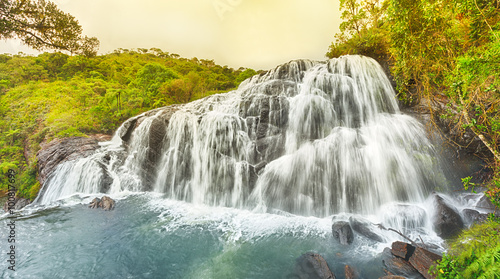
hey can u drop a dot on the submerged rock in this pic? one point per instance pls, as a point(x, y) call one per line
point(446, 220)
point(350, 273)
point(105, 203)
point(311, 266)
point(342, 231)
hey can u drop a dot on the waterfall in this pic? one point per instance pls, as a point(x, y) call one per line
point(309, 138)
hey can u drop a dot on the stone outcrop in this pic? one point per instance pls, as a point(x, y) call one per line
point(447, 221)
point(311, 266)
point(105, 203)
point(59, 151)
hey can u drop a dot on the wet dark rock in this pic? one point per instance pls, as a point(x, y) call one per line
point(260, 166)
point(485, 203)
point(311, 266)
point(342, 232)
point(472, 216)
point(127, 128)
point(446, 220)
point(393, 277)
point(59, 151)
point(365, 229)
point(105, 203)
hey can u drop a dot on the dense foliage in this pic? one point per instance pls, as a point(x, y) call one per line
point(56, 95)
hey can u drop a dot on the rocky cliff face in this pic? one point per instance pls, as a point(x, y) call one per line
point(58, 151)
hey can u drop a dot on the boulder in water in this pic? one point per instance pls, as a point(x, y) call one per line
point(311, 266)
point(447, 220)
point(485, 203)
point(105, 203)
point(472, 216)
point(342, 231)
point(365, 229)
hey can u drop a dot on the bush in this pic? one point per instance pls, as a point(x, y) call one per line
point(475, 254)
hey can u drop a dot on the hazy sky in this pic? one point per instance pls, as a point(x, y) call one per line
point(259, 34)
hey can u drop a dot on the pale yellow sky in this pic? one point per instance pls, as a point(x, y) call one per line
point(259, 34)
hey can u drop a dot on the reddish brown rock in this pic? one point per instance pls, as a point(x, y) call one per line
point(402, 249)
point(419, 258)
point(396, 265)
point(422, 260)
point(105, 203)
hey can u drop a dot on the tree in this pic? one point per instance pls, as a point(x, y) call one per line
point(41, 25)
point(151, 77)
point(354, 17)
point(362, 30)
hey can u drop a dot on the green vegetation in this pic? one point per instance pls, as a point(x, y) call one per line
point(446, 51)
point(476, 254)
point(55, 95)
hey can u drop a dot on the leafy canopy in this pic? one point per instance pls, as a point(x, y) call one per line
point(41, 25)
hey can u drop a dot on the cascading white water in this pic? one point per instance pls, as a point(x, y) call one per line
point(311, 138)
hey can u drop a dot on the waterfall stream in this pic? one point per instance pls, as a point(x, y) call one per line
point(240, 184)
point(308, 138)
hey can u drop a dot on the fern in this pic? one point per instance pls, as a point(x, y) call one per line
point(475, 254)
